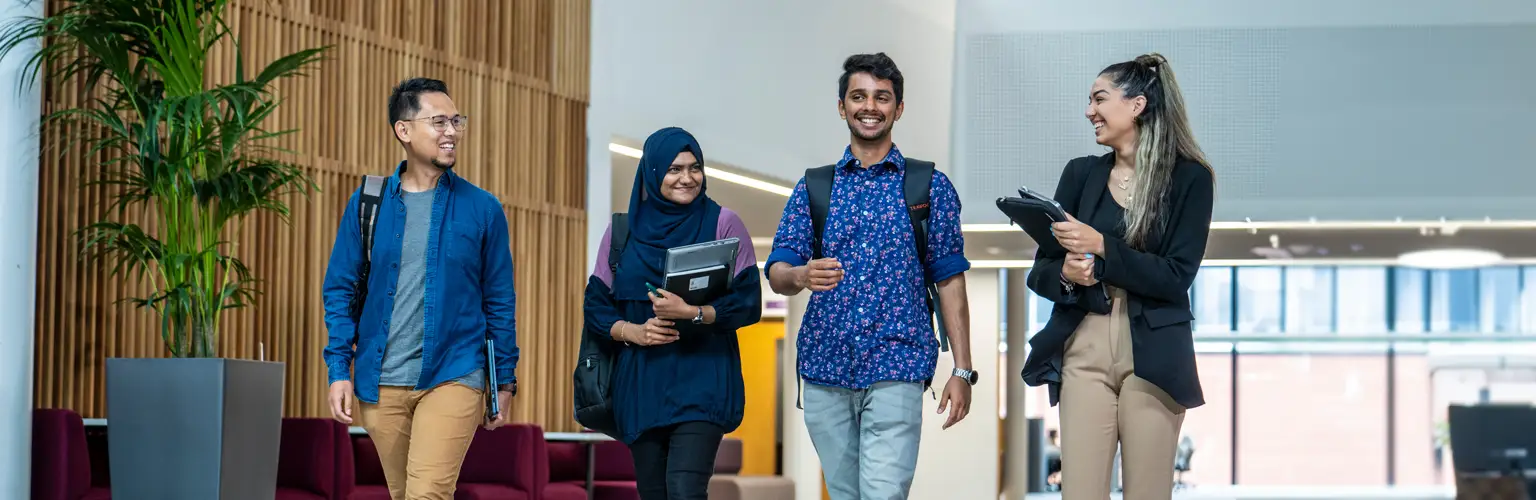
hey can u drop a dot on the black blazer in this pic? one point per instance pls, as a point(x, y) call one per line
point(1156, 283)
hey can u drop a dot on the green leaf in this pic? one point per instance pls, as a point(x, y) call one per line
point(192, 157)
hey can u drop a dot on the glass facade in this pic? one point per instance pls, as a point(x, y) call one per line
point(1341, 375)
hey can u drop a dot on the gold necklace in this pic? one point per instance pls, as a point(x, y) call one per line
point(1124, 185)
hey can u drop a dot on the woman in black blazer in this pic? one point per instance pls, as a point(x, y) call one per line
point(1117, 352)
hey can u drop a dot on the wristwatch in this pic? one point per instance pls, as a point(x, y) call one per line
point(508, 387)
point(970, 376)
point(699, 320)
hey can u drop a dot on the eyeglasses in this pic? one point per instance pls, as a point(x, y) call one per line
point(441, 122)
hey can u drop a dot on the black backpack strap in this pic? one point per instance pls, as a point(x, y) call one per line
point(818, 191)
point(368, 211)
point(915, 189)
point(616, 240)
point(368, 202)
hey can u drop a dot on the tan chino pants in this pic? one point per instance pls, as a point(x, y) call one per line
point(422, 437)
point(1105, 406)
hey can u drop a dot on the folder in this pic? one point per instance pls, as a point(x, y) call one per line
point(1034, 213)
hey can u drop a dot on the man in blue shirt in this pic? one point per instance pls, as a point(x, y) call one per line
point(866, 346)
point(439, 282)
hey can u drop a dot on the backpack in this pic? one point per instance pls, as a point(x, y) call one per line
point(918, 177)
point(368, 201)
point(593, 376)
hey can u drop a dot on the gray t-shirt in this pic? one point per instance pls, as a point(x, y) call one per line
point(407, 324)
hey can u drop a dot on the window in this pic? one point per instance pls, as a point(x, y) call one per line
point(1499, 300)
point(1309, 299)
point(1410, 297)
point(1259, 299)
point(1212, 303)
point(1361, 300)
point(1453, 299)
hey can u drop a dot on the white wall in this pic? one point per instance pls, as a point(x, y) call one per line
point(756, 81)
point(1263, 85)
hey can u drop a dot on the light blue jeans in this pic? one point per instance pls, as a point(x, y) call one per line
point(866, 439)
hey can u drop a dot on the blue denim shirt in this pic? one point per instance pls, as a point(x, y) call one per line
point(874, 326)
point(469, 288)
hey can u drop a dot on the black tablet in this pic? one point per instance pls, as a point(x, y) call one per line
point(1035, 217)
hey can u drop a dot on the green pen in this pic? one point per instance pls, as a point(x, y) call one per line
point(652, 288)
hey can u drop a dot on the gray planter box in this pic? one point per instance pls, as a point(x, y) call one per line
point(194, 429)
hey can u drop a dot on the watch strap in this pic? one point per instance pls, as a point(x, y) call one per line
point(970, 376)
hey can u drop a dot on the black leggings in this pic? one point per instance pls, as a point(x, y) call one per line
point(676, 462)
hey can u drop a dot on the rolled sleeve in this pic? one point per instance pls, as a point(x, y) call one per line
point(948, 267)
point(946, 243)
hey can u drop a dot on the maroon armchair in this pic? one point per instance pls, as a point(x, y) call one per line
point(370, 471)
point(567, 471)
point(314, 460)
point(729, 484)
point(61, 461)
point(508, 463)
point(613, 477)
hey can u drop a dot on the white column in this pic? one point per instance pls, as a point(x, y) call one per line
point(800, 462)
point(599, 159)
point(1015, 430)
point(961, 462)
point(20, 108)
point(599, 188)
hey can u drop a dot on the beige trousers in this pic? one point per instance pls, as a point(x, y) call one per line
point(1105, 406)
point(422, 437)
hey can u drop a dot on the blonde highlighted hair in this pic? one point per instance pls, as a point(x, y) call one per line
point(1163, 137)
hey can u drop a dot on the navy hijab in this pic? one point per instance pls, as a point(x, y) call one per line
point(656, 223)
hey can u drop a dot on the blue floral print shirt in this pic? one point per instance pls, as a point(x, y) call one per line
point(874, 326)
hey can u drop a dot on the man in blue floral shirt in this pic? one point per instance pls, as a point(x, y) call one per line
point(867, 348)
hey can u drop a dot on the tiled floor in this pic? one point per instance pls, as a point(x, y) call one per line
point(1298, 493)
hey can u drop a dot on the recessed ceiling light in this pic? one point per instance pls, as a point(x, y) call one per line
point(1450, 258)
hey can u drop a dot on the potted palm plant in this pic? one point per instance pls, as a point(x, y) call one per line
point(187, 161)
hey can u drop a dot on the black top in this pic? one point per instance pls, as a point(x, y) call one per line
point(1156, 280)
point(1109, 217)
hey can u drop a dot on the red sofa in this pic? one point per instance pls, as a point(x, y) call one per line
point(505, 464)
point(319, 459)
point(370, 473)
point(613, 477)
point(314, 460)
point(62, 460)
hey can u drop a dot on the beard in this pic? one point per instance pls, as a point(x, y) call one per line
point(854, 127)
point(445, 165)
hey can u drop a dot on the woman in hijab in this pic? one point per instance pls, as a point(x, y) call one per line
point(677, 386)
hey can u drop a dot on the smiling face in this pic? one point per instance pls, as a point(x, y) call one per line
point(433, 133)
point(870, 107)
point(685, 176)
point(1112, 115)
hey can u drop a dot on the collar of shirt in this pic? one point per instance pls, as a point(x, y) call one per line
point(893, 160)
point(445, 181)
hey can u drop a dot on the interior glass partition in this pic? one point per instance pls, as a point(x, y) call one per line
point(1341, 375)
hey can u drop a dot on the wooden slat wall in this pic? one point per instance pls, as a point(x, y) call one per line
point(517, 68)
